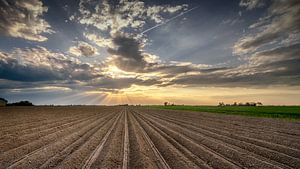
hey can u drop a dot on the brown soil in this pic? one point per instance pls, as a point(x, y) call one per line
point(138, 137)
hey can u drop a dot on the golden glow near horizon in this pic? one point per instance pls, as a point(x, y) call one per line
point(200, 95)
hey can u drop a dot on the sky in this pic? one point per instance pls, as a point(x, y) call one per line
point(149, 52)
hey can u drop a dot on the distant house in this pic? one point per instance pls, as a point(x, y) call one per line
point(3, 102)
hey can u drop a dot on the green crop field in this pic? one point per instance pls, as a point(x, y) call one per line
point(287, 112)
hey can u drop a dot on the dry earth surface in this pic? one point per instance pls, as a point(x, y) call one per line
point(139, 137)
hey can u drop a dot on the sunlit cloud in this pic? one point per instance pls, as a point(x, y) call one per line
point(24, 19)
point(83, 49)
point(116, 52)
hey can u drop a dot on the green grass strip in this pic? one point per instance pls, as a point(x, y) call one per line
point(285, 112)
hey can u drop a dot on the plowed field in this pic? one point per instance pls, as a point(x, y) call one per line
point(139, 137)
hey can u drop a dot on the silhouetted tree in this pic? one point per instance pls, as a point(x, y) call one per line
point(221, 104)
point(3, 102)
point(21, 103)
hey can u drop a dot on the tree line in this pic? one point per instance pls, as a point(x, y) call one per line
point(241, 104)
point(20, 103)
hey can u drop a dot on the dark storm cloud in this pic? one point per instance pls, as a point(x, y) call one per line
point(39, 64)
point(131, 58)
point(249, 81)
point(129, 55)
point(23, 19)
point(120, 83)
point(11, 69)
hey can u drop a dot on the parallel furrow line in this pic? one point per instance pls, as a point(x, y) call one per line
point(198, 161)
point(156, 152)
point(99, 148)
point(126, 144)
point(28, 140)
point(49, 146)
point(261, 128)
point(37, 124)
point(57, 158)
point(41, 144)
point(44, 132)
point(238, 143)
point(261, 143)
point(207, 153)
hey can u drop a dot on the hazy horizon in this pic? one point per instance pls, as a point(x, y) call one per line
point(148, 52)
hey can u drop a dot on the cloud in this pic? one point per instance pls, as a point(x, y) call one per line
point(280, 62)
point(291, 52)
point(23, 19)
point(280, 25)
point(279, 66)
point(120, 83)
point(39, 67)
point(83, 49)
point(114, 17)
point(98, 40)
point(40, 64)
point(129, 57)
point(251, 4)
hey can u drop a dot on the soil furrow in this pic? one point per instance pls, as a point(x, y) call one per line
point(162, 162)
point(270, 155)
point(172, 154)
point(56, 147)
point(125, 161)
point(80, 155)
point(33, 123)
point(17, 154)
point(67, 137)
point(55, 123)
point(111, 155)
point(61, 155)
point(245, 135)
point(246, 122)
point(99, 148)
point(198, 161)
point(24, 139)
point(210, 156)
point(234, 154)
point(141, 154)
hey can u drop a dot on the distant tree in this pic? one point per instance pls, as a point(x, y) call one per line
point(4, 100)
point(259, 103)
point(21, 103)
point(221, 104)
point(234, 104)
point(165, 103)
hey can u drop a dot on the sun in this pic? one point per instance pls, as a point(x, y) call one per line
point(114, 72)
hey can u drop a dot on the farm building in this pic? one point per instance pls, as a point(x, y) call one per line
point(3, 102)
